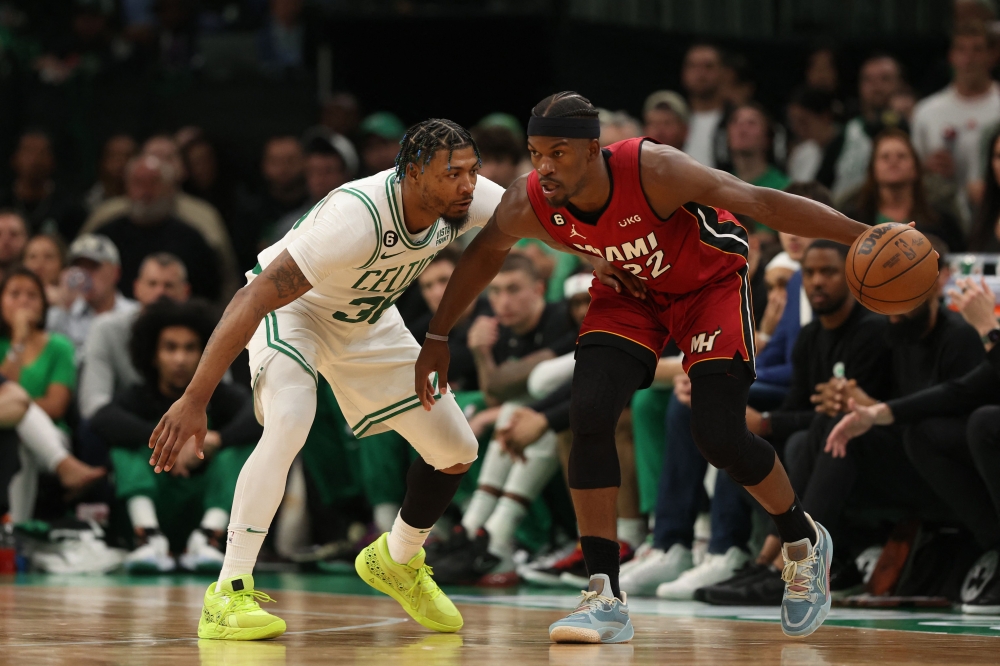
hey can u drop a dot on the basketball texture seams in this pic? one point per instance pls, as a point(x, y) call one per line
point(891, 268)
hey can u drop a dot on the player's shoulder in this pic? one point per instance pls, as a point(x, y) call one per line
point(661, 160)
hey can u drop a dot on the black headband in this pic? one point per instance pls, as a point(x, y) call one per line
point(570, 128)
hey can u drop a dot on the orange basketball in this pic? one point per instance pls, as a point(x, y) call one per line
point(891, 268)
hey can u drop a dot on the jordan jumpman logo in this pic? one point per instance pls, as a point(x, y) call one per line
point(573, 233)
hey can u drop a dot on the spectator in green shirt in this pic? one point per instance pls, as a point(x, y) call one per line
point(41, 362)
point(751, 147)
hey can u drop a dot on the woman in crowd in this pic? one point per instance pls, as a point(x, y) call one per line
point(985, 236)
point(42, 363)
point(894, 191)
point(45, 256)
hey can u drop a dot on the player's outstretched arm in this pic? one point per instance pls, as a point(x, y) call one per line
point(670, 179)
point(279, 284)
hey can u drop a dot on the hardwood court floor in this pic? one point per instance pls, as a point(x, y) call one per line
point(90, 622)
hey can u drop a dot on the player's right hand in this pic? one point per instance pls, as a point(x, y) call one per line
point(434, 357)
point(185, 419)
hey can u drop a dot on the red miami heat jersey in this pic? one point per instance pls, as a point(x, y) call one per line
point(695, 246)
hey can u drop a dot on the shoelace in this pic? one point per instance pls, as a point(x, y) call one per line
point(803, 570)
point(590, 600)
point(424, 581)
point(245, 601)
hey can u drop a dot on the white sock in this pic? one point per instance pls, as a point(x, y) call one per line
point(632, 531)
point(480, 507)
point(242, 548)
point(142, 513)
point(384, 515)
point(215, 519)
point(405, 541)
point(502, 524)
point(41, 436)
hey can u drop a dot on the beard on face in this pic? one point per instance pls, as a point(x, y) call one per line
point(151, 213)
point(432, 202)
point(830, 307)
point(912, 327)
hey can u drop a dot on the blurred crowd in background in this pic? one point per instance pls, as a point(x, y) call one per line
point(111, 286)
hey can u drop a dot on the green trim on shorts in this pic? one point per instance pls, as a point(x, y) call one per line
point(275, 342)
point(397, 218)
point(257, 269)
point(376, 218)
point(395, 409)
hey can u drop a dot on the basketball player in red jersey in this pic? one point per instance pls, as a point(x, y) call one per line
point(672, 263)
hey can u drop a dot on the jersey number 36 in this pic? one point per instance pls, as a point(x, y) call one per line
point(376, 306)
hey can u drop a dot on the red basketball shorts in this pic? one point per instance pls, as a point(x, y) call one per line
point(711, 325)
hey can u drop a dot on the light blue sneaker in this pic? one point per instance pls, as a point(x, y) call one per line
point(807, 583)
point(600, 617)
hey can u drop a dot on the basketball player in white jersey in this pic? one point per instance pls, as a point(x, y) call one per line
point(320, 301)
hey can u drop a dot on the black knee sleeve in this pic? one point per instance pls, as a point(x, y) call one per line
point(428, 494)
point(719, 426)
point(603, 383)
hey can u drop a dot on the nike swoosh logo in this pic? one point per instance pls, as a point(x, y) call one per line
point(253, 531)
point(390, 256)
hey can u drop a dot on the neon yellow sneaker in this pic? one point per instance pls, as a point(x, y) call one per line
point(410, 584)
point(234, 614)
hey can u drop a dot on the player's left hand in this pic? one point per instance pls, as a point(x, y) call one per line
point(616, 278)
point(435, 356)
point(185, 419)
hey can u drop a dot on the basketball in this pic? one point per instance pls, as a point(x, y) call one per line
point(891, 268)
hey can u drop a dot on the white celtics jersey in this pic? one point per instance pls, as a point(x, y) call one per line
point(356, 252)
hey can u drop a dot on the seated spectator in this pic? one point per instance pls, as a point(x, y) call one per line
point(501, 152)
point(951, 421)
point(45, 256)
point(206, 179)
point(751, 147)
point(34, 194)
point(894, 191)
point(13, 238)
point(325, 170)
point(166, 346)
point(702, 78)
point(107, 366)
point(844, 340)
point(947, 125)
point(380, 136)
point(820, 139)
point(340, 114)
point(97, 267)
point(985, 234)
point(284, 190)
point(149, 227)
point(517, 465)
point(774, 360)
point(43, 365)
point(118, 150)
point(196, 213)
point(523, 331)
point(665, 116)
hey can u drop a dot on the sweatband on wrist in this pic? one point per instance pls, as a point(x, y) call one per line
point(439, 338)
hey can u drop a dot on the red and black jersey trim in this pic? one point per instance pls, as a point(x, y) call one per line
point(725, 235)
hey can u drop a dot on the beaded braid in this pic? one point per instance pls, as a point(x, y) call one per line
point(424, 139)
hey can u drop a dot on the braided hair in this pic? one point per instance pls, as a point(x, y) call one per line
point(566, 104)
point(424, 139)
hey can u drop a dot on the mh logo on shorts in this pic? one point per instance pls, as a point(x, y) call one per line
point(703, 342)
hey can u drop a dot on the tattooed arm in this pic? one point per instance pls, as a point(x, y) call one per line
point(279, 284)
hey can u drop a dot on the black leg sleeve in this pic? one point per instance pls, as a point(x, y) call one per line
point(428, 494)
